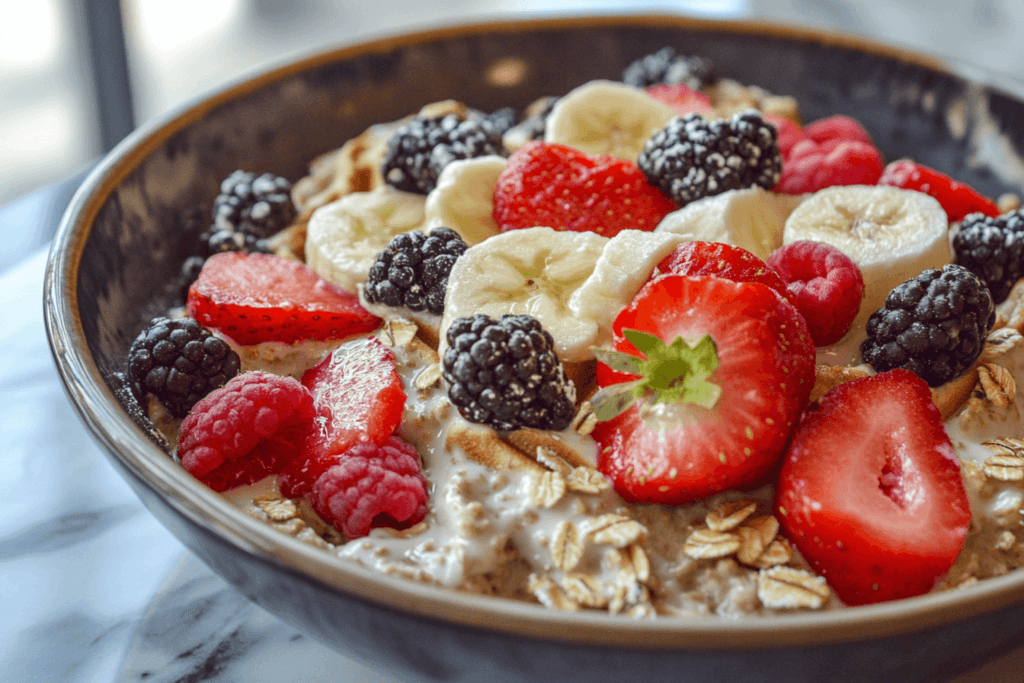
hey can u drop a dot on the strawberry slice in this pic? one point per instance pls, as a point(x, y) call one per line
point(358, 396)
point(721, 373)
point(256, 298)
point(552, 185)
point(870, 490)
point(955, 197)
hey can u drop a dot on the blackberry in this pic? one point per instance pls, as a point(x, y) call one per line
point(506, 374)
point(692, 158)
point(536, 118)
point(992, 249)
point(934, 324)
point(419, 150)
point(253, 205)
point(502, 119)
point(179, 362)
point(666, 66)
point(413, 270)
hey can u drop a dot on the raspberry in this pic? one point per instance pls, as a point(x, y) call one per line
point(824, 285)
point(681, 99)
point(837, 128)
point(813, 166)
point(372, 485)
point(243, 431)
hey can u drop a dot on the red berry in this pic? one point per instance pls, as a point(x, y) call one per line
point(680, 98)
point(706, 258)
point(870, 490)
point(837, 128)
point(678, 451)
point(245, 430)
point(787, 132)
point(824, 284)
point(955, 197)
point(259, 297)
point(372, 485)
point(813, 166)
point(546, 184)
point(358, 396)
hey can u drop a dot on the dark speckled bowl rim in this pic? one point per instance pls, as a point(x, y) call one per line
point(118, 434)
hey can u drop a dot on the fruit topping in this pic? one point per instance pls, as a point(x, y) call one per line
point(721, 373)
point(419, 150)
point(722, 260)
point(955, 197)
point(692, 158)
point(993, 249)
point(179, 362)
point(934, 324)
point(812, 166)
point(870, 490)
point(887, 231)
point(259, 297)
point(667, 66)
point(253, 205)
point(606, 117)
point(824, 284)
point(245, 430)
point(552, 185)
point(505, 373)
point(413, 270)
point(837, 127)
point(372, 485)
point(680, 98)
point(358, 397)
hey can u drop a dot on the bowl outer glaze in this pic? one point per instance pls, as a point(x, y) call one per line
point(128, 228)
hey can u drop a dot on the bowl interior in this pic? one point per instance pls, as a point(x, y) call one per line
point(139, 214)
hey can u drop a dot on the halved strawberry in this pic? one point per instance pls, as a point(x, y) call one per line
point(551, 185)
point(726, 369)
point(358, 396)
point(260, 297)
point(706, 258)
point(958, 199)
point(870, 490)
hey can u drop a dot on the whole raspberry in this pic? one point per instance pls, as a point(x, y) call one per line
point(372, 485)
point(245, 430)
point(824, 284)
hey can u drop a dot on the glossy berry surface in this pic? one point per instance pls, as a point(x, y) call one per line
point(179, 361)
point(993, 249)
point(958, 199)
point(413, 270)
point(559, 187)
point(678, 452)
point(358, 396)
point(887, 517)
point(257, 298)
point(824, 284)
point(666, 66)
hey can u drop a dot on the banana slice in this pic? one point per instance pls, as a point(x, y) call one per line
point(575, 283)
point(344, 237)
point(532, 271)
point(464, 198)
point(752, 218)
point(607, 117)
point(890, 233)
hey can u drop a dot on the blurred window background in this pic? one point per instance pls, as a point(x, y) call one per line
point(154, 55)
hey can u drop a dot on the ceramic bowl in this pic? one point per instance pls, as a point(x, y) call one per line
point(125, 235)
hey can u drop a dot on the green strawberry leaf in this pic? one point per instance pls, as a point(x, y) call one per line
point(677, 373)
point(619, 361)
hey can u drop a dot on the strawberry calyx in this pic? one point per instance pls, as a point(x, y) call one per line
point(673, 373)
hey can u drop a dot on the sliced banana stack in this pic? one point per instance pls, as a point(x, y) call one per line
point(343, 237)
point(574, 283)
point(607, 117)
point(752, 218)
point(464, 198)
point(890, 233)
